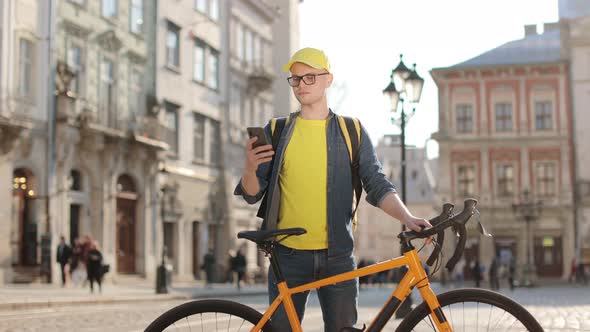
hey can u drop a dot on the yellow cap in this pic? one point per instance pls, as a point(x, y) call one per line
point(310, 56)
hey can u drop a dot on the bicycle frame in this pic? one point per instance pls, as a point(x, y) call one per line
point(416, 276)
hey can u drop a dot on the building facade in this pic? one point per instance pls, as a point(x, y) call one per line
point(575, 21)
point(505, 129)
point(187, 51)
point(24, 98)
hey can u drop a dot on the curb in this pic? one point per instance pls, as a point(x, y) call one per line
point(57, 303)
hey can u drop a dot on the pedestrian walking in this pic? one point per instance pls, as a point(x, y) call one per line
point(94, 268)
point(63, 255)
point(476, 270)
point(511, 272)
point(459, 273)
point(493, 274)
point(209, 267)
point(240, 267)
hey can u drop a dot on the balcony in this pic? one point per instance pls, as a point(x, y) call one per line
point(259, 80)
point(148, 130)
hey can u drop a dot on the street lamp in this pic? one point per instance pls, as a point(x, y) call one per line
point(161, 272)
point(410, 86)
point(528, 210)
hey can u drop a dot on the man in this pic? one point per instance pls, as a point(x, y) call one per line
point(309, 186)
point(63, 257)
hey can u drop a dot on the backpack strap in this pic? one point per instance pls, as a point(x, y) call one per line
point(351, 129)
point(276, 128)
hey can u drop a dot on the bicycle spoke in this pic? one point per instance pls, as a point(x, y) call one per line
point(228, 323)
point(188, 324)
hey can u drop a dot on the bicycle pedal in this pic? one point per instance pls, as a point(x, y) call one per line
point(353, 329)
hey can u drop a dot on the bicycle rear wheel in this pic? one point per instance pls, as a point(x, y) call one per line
point(473, 310)
point(208, 315)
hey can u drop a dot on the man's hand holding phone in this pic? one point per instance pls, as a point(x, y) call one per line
point(258, 150)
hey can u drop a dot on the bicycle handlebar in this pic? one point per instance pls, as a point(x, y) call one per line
point(442, 222)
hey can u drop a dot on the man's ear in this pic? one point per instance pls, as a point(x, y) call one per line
point(330, 79)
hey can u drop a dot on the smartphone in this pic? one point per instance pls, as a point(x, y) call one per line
point(257, 132)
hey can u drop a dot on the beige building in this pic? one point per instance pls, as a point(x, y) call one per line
point(188, 52)
point(24, 115)
point(88, 165)
point(575, 19)
point(263, 35)
point(505, 128)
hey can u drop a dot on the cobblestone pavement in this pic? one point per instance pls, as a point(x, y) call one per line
point(558, 308)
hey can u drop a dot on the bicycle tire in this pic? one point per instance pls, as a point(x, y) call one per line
point(181, 313)
point(493, 300)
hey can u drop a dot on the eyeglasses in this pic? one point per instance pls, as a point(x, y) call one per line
point(308, 79)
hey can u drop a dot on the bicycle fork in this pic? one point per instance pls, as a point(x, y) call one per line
point(415, 277)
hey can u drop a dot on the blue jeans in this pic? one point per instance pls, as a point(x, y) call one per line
point(338, 302)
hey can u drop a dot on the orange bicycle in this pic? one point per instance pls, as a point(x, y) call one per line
point(455, 310)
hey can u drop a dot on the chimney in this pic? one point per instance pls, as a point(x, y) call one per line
point(550, 26)
point(530, 30)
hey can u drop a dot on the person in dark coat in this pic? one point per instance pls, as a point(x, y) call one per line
point(94, 267)
point(209, 266)
point(476, 271)
point(240, 266)
point(63, 255)
point(493, 274)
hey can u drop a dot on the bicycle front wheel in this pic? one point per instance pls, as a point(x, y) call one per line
point(473, 310)
point(208, 315)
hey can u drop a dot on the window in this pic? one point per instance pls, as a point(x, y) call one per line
point(543, 111)
point(466, 180)
point(249, 44)
point(109, 8)
point(74, 60)
point(136, 23)
point(201, 5)
point(213, 80)
point(256, 51)
point(75, 180)
point(169, 240)
point(136, 99)
point(199, 62)
point(214, 10)
point(106, 89)
point(208, 7)
point(503, 117)
point(171, 123)
point(241, 40)
point(505, 180)
point(199, 137)
point(545, 174)
point(464, 114)
point(173, 46)
point(81, 3)
point(214, 150)
point(25, 68)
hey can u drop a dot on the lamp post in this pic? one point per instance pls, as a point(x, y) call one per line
point(528, 210)
point(405, 86)
point(161, 272)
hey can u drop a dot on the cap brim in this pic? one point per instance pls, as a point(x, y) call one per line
point(287, 67)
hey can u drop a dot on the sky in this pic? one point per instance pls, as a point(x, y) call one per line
point(363, 40)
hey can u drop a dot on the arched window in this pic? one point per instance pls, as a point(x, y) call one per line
point(125, 184)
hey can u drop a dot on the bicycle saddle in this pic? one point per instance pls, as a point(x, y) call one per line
point(267, 235)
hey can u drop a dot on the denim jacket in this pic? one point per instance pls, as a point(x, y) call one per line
point(339, 183)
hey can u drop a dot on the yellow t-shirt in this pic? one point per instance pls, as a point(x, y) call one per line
point(303, 181)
